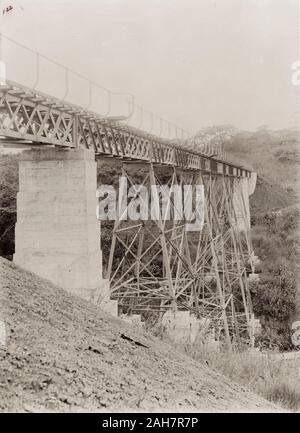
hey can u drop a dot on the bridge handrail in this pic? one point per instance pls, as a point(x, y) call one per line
point(132, 106)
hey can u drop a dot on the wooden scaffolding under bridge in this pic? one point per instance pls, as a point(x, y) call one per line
point(157, 265)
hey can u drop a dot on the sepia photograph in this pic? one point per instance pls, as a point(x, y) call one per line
point(149, 209)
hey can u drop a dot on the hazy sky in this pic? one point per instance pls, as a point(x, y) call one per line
point(195, 62)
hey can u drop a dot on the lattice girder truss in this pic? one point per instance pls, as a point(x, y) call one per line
point(38, 119)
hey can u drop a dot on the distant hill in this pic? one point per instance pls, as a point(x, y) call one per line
point(275, 156)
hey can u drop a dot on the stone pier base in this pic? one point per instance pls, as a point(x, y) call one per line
point(57, 231)
point(183, 327)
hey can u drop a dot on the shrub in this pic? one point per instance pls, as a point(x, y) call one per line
point(268, 374)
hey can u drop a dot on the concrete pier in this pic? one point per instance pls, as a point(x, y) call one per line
point(183, 327)
point(243, 189)
point(57, 231)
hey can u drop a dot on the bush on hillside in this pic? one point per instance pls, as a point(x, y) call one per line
point(275, 241)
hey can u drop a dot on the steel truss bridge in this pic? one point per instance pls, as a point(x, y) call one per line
point(30, 116)
point(156, 265)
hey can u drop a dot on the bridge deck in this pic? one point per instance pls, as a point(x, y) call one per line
point(32, 117)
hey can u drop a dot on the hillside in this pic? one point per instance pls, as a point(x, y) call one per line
point(65, 354)
point(275, 156)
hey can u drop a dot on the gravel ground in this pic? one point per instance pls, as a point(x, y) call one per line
point(64, 354)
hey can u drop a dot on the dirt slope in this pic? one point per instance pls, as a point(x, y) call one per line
point(64, 354)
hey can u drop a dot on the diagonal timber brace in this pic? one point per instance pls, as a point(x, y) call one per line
point(157, 265)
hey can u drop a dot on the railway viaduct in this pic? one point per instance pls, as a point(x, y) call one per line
point(204, 274)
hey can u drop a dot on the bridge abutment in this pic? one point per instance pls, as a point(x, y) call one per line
point(57, 231)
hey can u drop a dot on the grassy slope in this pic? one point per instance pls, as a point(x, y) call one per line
point(65, 354)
